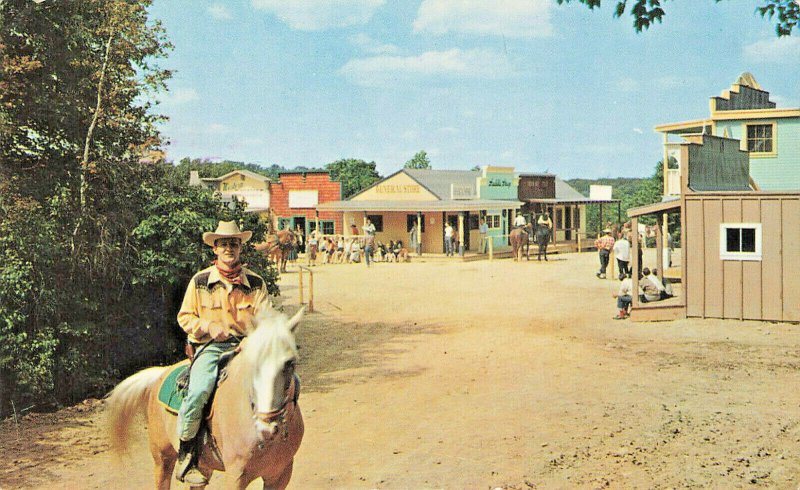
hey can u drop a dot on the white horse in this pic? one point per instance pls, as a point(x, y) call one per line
point(255, 421)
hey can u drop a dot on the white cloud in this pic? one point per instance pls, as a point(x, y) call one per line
point(315, 15)
point(372, 46)
point(449, 130)
point(180, 96)
point(220, 12)
point(471, 63)
point(776, 50)
point(638, 130)
point(511, 18)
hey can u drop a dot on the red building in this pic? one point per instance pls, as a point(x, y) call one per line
point(295, 198)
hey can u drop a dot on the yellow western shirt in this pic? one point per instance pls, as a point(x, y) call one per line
point(211, 298)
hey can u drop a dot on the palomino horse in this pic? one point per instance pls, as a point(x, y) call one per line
point(277, 246)
point(519, 239)
point(255, 422)
point(543, 233)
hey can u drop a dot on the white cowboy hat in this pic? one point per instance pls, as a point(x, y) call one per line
point(226, 229)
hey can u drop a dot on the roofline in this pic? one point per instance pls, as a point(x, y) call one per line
point(754, 114)
point(669, 127)
point(402, 170)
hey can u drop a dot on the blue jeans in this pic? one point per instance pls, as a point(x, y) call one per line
point(448, 246)
point(603, 260)
point(623, 302)
point(367, 254)
point(202, 379)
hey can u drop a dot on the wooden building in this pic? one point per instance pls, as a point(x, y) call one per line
point(546, 193)
point(430, 199)
point(295, 198)
point(740, 247)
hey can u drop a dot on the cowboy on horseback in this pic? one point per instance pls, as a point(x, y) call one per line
point(218, 310)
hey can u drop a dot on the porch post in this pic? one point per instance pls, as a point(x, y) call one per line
point(635, 261)
point(461, 233)
point(659, 247)
point(419, 234)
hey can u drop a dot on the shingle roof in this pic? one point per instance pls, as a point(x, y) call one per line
point(438, 181)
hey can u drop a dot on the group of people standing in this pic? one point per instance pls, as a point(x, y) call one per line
point(651, 288)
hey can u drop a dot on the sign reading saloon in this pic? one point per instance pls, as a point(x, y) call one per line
point(398, 189)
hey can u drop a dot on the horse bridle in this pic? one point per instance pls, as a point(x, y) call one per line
point(287, 406)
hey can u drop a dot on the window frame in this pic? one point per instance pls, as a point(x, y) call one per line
point(725, 254)
point(491, 219)
point(746, 139)
point(377, 220)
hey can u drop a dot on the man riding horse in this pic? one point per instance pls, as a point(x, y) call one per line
point(544, 230)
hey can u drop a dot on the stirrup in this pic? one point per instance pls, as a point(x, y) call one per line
point(194, 477)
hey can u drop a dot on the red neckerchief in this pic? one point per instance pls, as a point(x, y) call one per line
point(232, 275)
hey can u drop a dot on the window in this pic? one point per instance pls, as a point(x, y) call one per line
point(474, 223)
point(411, 220)
point(740, 241)
point(493, 220)
point(760, 138)
point(377, 220)
point(284, 223)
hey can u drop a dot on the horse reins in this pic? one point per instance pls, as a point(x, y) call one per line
point(286, 407)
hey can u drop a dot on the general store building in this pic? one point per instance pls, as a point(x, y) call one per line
point(430, 198)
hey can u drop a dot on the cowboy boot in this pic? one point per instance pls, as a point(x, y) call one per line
point(186, 466)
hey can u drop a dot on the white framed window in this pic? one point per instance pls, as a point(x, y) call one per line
point(740, 241)
point(493, 220)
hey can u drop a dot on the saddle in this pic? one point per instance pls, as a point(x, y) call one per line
point(173, 389)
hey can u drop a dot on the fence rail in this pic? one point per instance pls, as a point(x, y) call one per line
point(310, 286)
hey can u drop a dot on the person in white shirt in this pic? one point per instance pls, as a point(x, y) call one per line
point(624, 297)
point(520, 221)
point(622, 251)
point(666, 286)
point(651, 289)
point(448, 240)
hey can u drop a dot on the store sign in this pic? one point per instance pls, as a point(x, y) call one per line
point(397, 189)
point(462, 191)
point(498, 182)
point(303, 199)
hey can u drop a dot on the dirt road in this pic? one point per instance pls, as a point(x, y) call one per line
point(502, 374)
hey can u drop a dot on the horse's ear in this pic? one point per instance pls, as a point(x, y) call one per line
point(295, 320)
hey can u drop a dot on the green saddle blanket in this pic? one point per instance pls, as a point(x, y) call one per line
point(168, 393)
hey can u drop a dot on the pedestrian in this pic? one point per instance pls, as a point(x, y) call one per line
point(622, 252)
point(448, 239)
point(483, 230)
point(413, 239)
point(369, 247)
point(212, 330)
point(313, 244)
point(604, 244)
point(369, 228)
point(624, 297)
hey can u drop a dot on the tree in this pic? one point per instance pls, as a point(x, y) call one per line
point(420, 160)
point(785, 13)
point(354, 175)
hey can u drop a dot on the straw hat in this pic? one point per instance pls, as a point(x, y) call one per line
point(226, 229)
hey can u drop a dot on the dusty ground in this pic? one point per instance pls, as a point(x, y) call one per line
point(484, 375)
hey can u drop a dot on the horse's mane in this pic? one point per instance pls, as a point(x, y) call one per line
point(271, 336)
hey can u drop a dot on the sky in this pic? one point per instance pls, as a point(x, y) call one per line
point(531, 84)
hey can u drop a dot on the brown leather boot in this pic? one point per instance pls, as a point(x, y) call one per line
point(186, 466)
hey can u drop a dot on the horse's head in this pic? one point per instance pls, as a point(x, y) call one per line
point(271, 353)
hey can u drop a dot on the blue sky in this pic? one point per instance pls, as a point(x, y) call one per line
point(524, 83)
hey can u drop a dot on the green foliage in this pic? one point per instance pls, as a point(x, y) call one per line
point(95, 253)
point(632, 192)
point(207, 168)
point(355, 175)
point(785, 13)
point(420, 160)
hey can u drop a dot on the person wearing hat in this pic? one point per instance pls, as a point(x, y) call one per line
point(604, 244)
point(218, 310)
